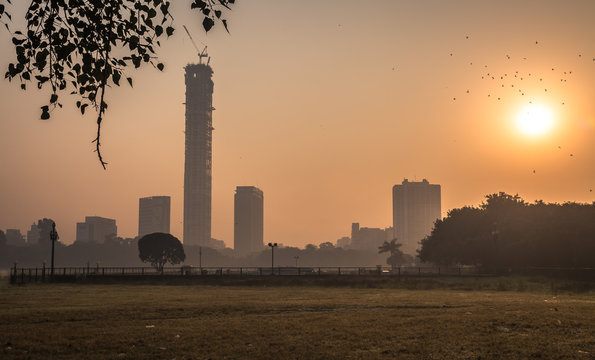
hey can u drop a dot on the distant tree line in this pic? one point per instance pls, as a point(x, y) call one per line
point(117, 251)
point(506, 232)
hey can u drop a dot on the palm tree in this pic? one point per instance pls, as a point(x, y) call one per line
point(391, 247)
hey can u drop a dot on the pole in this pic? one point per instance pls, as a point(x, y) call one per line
point(200, 258)
point(272, 246)
point(53, 238)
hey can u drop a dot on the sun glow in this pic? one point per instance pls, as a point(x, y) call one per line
point(535, 120)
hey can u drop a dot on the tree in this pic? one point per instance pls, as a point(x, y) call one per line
point(396, 254)
point(84, 46)
point(506, 232)
point(326, 246)
point(159, 249)
point(45, 227)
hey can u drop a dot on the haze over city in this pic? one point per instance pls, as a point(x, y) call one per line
point(325, 106)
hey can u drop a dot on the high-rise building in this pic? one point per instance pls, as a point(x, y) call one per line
point(14, 237)
point(197, 167)
point(416, 206)
point(153, 215)
point(95, 229)
point(33, 235)
point(248, 220)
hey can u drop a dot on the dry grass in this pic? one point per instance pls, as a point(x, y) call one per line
point(73, 321)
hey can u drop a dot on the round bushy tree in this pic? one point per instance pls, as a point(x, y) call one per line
point(159, 249)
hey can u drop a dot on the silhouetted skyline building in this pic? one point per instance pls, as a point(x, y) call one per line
point(33, 235)
point(95, 229)
point(154, 215)
point(198, 156)
point(248, 220)
point(416, 206)
point(365, 238)
point(14, 237)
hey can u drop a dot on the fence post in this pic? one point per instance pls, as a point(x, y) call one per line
point(339, 268)
point(64, 272)
point(42, 272)
point(399, 270)
point(102, 271)
point(438, 270)
point(459, 271)
point(13, 277)
point(419, 271)
point(35, 274)
point(319, 271)
point(298, 271)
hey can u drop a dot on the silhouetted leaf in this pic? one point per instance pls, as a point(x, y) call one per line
point(208, 23)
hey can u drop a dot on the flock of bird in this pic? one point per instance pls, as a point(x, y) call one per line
point(520, 83)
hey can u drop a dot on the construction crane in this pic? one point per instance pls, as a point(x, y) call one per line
point(201, 54)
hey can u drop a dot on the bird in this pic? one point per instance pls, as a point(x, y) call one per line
point(571, 154)
point(590, 190)
point(537, 42)
point(533, 171)
point(467, 37)
point(559, 147)
point(467, 91)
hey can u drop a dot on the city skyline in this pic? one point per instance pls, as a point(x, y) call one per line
point(338, 111)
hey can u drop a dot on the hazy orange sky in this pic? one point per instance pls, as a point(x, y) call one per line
point(310, 110)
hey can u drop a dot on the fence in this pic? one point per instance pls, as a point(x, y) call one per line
point(66, 274)
point(69, 274)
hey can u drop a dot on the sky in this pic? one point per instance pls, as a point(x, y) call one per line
point(324, 105)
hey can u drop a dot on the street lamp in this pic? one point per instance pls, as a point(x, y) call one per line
point(272, 246)
point(53, 237)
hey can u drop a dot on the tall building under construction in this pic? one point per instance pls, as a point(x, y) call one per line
point(198, 164)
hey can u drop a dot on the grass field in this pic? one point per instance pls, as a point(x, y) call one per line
point(94, 321)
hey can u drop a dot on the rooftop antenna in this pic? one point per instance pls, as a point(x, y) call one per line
point(201, 54)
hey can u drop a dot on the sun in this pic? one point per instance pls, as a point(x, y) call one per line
point(535, 120)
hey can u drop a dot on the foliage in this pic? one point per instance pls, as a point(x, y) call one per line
point(45, 227)
point(396, 255)
point(85, 46)
point(505, 231)
point(159, 249)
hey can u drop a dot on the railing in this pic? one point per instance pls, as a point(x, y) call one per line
point(67, 274)
point(43, 274)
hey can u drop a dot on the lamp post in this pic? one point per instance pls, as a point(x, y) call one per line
point(272, 246)
point(53, 237)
